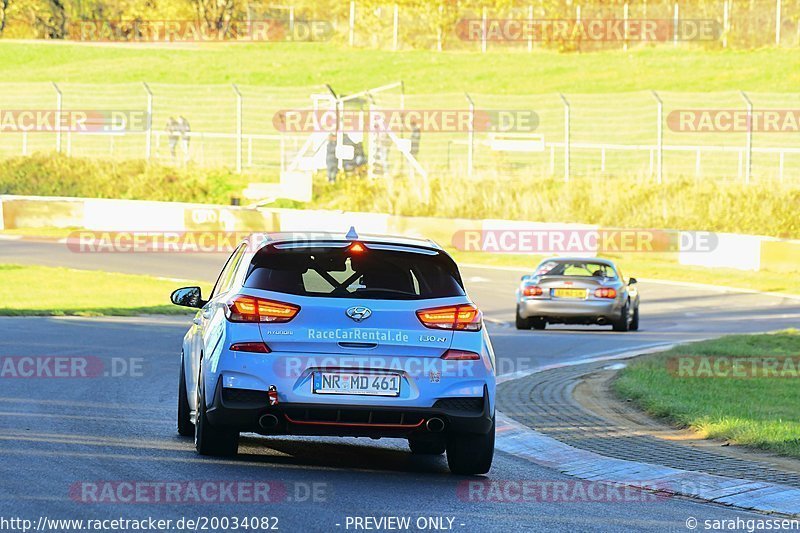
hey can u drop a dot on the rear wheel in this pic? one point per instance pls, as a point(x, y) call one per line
point(420, 446)
point(623, 324)
point(210, 440)
point(470, 453)
point(185, 426)
point(635, 320)
point(523, 323)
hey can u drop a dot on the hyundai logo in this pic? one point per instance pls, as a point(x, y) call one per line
point(359, 313)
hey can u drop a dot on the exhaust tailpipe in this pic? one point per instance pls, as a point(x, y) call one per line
point(435, 425)
point(268, 421)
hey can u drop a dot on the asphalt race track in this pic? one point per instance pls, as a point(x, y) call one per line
point(60, 439)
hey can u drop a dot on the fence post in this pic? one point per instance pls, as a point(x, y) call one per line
point(748, 161)
point(675, 19)
point(352, 23)
point(59, 108)
point(660, 138)
point(530, 21)
point(566, 138)
point(484, 29)
point(238, 129)
point(625, 26)
point(725, 28)
point(439, 30)
point(777, 22)
point(471, 142)
point(148, 141)
point(396, 27)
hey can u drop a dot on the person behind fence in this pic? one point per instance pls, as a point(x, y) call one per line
point(359, 156)
point(415, 137)
point(331, 161)
point(173, 134)
point(356, 140)
point(185, 129)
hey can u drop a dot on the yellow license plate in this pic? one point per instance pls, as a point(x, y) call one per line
point(569, 293)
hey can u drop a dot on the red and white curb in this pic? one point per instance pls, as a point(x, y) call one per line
point(519, 440)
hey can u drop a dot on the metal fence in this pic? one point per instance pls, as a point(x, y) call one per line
point(436, 26)
point(578, 136)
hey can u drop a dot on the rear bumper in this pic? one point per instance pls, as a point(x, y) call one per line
point(241, 409)
point(609, 310)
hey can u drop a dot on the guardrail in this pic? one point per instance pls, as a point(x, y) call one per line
point(744, 252)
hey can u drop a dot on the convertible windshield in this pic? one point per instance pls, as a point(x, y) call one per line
point(583, 269)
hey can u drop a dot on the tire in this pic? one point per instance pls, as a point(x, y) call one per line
point(185, 426)
point(470, 453)
point(539, 323)
point(622, 323)
point(635, 320)
point(427, 446)
point(522, 323)
point(209, 440)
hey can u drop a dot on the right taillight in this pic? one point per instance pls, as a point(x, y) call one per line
point(532, 290)
point(460, 355)
point(251, 309)
point(458, 317)
point(605, 292)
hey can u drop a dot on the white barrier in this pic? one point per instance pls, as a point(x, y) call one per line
point(742, 252)
point(336, 221)
point(113, 215)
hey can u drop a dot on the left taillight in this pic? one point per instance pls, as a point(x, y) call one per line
point(252, 309)
point(465, 317)
point(253, 347)
point(532, 290)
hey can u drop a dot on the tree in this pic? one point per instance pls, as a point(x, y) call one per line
point(217, 14)
point(49, 18)
point(3, 9)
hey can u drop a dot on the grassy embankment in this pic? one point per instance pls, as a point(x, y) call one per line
point(760, 412)
point(38, 290)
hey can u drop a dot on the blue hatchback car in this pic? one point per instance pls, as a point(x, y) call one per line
point(339, 335)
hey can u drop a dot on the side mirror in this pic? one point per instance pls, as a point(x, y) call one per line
point(525, 277)
point(187, 297)
point(632, 281)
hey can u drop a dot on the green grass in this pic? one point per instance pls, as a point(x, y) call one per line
point(57, 175)
point(757, 412)
point(612, 202)
point(348, 70)
point(38, 290)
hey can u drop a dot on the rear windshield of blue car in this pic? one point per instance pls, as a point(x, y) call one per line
point(344, 273)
